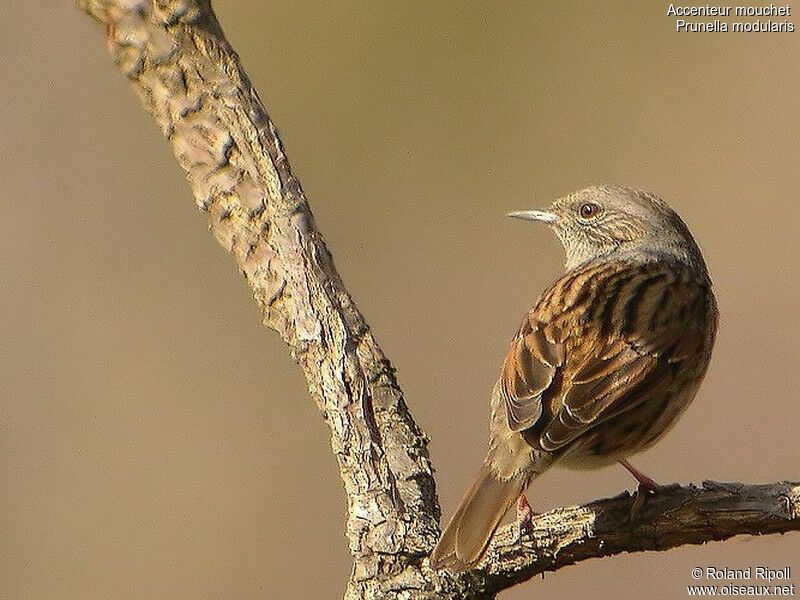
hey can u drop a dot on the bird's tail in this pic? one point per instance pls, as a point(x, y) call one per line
point(466, 538)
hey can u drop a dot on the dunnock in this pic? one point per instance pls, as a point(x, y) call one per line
point(605, 362)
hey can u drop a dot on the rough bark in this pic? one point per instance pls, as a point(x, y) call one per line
point(673, 517)
point(190, 80)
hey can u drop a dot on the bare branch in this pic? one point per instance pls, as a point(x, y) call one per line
point(673, 517)
point(190, 80)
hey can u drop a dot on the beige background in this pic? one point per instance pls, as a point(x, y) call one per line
point(155, 442)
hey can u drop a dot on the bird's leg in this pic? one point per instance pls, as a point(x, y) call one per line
point(646, 484)
point(524, 515)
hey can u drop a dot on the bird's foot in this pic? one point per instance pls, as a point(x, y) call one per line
point(646, 486)
point(524, 516)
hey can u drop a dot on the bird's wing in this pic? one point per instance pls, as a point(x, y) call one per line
point(599, 342)
point(528, 371)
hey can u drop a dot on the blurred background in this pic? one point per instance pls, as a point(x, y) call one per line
point(156, 442)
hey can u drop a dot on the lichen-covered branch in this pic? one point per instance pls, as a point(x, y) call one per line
point(190, 80)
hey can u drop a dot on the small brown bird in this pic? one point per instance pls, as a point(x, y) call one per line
point(602, 366)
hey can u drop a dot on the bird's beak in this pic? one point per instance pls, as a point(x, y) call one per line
point(535, 215)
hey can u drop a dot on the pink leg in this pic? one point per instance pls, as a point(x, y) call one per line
point(524, 514)
point(645, 483)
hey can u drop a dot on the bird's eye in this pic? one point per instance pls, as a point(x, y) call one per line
point(589, 210)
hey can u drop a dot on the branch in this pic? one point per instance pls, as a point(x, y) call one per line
point(190, 80)
point(675, 516)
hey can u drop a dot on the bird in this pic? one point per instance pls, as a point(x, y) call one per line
point(602, 366)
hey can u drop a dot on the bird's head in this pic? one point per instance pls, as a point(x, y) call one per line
point(608, 221)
